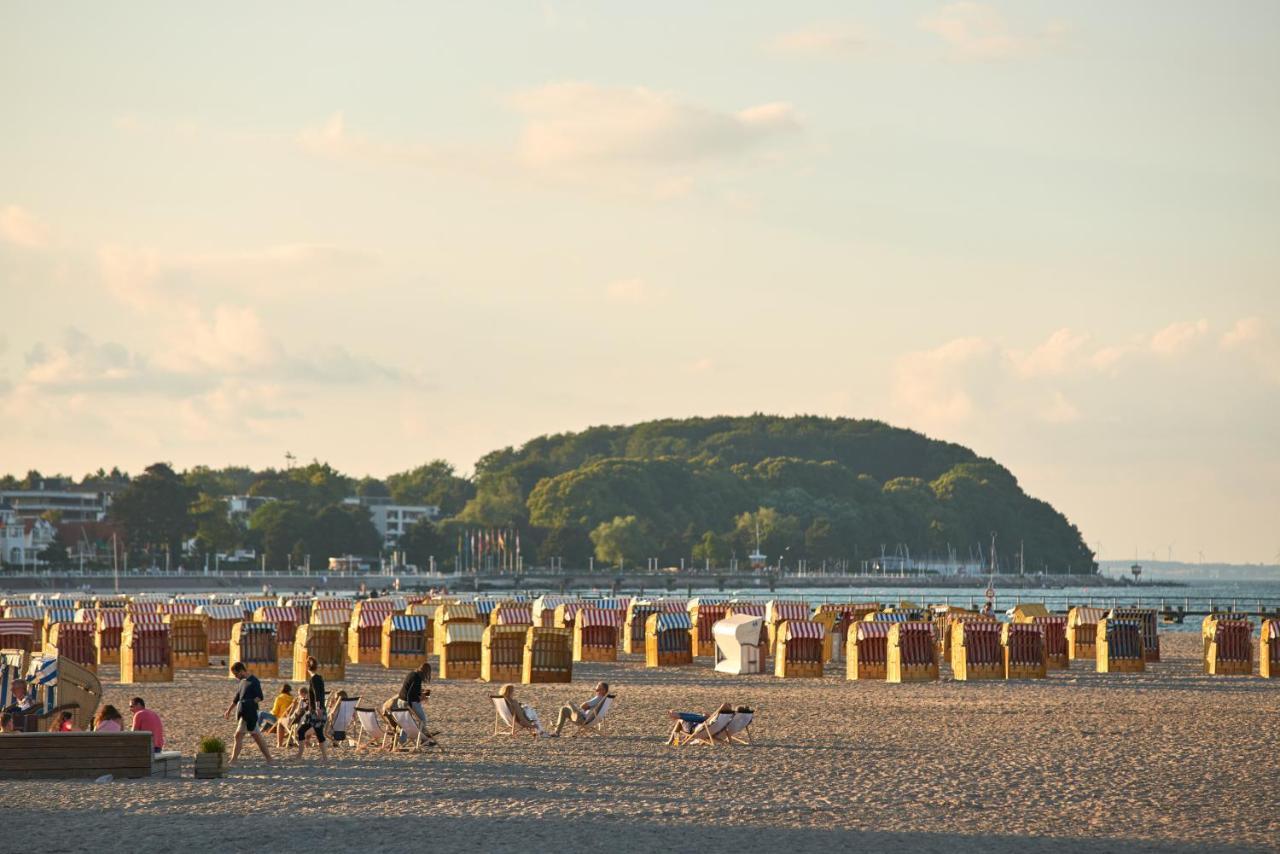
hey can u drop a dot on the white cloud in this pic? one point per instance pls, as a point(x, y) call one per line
point(20, 228)
point(1255, 339)
point(80, 363)
point(148, 280)
point(1059, 354)
point(1245, 332)
point(829, 40)
point(580, 123)
point(977, 31)
point(1178, 337)
point(932, 383)
point(630, 291)
point(1059, 410)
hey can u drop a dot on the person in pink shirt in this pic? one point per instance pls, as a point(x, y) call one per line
point(145, 720)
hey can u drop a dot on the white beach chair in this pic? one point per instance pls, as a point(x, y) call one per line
point(407, 732)
point(738, 730)
point(595, 726)
point(343, 718)
point(709, 731)
point(371, 728)
point(504, 720)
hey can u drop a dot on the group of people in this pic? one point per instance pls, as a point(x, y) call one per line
point(303, 716)
point(24, 704)
point(526, 717)
point(307, 716)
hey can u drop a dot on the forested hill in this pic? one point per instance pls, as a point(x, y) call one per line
point(819, 487)
point(695, 489)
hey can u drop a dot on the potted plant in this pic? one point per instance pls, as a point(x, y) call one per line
point(211, 758)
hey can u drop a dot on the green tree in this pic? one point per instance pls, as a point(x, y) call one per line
point(712, 547)
point(434, 483)
point(215, 532)
point(279, 526)
point(57, 553)
point(425, 540)
point(371, 487)
point(498, 503)
point(153, 511)
point(342, 529)
point(570, 543)
point(623, 538)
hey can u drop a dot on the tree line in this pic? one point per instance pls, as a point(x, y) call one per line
point(696, 489)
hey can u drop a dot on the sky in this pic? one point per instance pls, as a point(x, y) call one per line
point(382, 233)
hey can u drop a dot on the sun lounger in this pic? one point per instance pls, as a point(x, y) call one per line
point(707, 732)
point(595, 726)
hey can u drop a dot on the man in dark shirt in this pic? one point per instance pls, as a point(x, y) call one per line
point(245, 704)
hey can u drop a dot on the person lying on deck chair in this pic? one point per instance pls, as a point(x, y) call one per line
point(685, 722)
point(583, 714)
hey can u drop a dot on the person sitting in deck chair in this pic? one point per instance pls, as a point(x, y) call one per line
point(271, 721)
point(524, 716)
point(584, 714)
point(687, 722)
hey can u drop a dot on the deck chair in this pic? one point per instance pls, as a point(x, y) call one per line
point(709, 731)
point(371, 728)
point(508, 720)
point(738, 730)
point(343, 719)
point(407, 732)
point(595, 726)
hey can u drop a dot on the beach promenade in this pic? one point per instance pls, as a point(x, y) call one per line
point(1168, 760)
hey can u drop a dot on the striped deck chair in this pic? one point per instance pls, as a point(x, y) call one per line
point(595, 726)
point(708, 732)
point(371, 728)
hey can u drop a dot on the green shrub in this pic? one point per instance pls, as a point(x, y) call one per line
point(212, 744)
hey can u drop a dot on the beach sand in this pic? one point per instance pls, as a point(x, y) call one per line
point(1168, 760)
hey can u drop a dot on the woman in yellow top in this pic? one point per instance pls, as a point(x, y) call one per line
point(268, 721)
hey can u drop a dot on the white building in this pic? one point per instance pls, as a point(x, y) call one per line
point(242, 506)
point(22, 540)
point(71, 505)
point(393, 520)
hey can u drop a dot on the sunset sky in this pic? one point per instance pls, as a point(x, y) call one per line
point(377, 234)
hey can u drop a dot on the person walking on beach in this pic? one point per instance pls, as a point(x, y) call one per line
point(316, 714)
point(583, 714)
point(245, 705)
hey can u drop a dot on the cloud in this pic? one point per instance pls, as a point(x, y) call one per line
point(967, 379)
point(79, 363)
point(630, 291)
point(147, 279)
point(20, 228)
point(1257, 341)
point(828, 40)
point(579, 123)
point(1178, 337)
point(930, 383)
point(979, 32)
point(1059, 354)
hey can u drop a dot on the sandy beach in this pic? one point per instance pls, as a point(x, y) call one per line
point(1169, 760)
